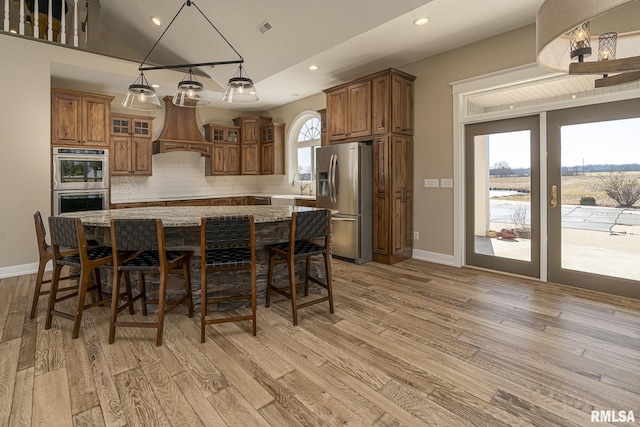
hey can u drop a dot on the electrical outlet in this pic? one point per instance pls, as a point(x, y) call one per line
point(446, 183)
point(430, 183)
point(416, 235)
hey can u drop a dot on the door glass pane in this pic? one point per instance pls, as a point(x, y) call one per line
point(502, 210)
point(600, 193)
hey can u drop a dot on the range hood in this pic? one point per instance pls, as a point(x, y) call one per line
point(180, 131)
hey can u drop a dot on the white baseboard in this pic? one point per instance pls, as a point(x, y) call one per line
point(20, 270)
point(434, 257)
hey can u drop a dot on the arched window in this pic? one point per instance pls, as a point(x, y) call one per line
point(306, 139)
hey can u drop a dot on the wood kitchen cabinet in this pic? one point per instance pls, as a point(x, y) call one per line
point(250, 142)
point(131, 145)
point(323, 127)
point(229, 201)
point(225, 159)
point(392, 198)
point(79, 119)
point(392, 105)
point(379, 108)
point(272, 149)
point(349, 111)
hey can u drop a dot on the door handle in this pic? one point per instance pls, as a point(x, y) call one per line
point(554, 196)
point(335, 218)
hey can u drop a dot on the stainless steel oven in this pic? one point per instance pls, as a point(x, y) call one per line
point(80, 169)
point(80, 200)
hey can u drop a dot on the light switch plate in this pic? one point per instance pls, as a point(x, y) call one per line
point(429, 183)
point(446, 183)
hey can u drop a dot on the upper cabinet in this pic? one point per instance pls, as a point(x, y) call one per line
point(225, 159)
point(131, 146)
point(272, 149)
point(349, 111)
point(375, 104)
point(79, 119)
point(250, 142)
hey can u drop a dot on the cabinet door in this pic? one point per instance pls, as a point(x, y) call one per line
point(141, 152)
point(359, 118)
point(266, 165)
point(402, 101)
point(266, 134)
point(66, 116)
point(120, 156)
point(337, 113)
point(232, 159)
point(120, 125)
point(380, 104)
point(250, 159)
point(381, 196)
point(95, 120)
point(401, 215)
point(218, 160)
point(249, 130)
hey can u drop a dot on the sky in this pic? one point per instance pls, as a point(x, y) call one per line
point(612, 142)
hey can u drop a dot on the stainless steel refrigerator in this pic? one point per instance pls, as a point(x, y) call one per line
point(344, 184)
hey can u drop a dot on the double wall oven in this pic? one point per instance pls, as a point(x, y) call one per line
point(80, 179)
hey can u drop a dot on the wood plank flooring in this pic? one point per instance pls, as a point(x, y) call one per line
point(411, 344)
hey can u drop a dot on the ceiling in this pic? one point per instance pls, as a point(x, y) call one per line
point(345, 39)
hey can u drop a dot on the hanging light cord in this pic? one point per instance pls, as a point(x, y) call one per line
point(161, 67)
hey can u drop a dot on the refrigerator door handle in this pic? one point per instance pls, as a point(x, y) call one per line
point(329, 178)
point(334, 188)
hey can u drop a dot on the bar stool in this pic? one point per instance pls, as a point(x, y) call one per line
point(146, 237)
point(306, 226)
point(45, 254)
point(227, 243)
point(70, 248)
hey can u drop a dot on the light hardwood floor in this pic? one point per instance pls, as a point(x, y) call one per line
point(411, 344)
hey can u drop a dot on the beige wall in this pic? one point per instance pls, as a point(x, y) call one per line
point(433, 121)
point(24, 163)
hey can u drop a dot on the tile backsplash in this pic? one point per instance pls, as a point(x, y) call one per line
point(181, 175)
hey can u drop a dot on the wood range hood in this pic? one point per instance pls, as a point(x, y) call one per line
point(180, 131)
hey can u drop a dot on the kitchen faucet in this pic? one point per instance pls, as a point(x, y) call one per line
point(293, 181)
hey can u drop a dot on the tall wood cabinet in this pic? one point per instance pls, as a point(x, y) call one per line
point(385, 117)
point(79, 119)
point(131, 145)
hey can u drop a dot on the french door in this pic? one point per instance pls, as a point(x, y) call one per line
point(592, 219)
point(502, 200)
point(594, 188)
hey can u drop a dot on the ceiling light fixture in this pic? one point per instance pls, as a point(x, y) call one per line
point(313, 67)
point(156, 20)
point(421, 21)
point(563, 33)
point(190, 92)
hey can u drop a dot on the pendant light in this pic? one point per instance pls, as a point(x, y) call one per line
point(240, 89)
point(141, 96)
point(191, 92)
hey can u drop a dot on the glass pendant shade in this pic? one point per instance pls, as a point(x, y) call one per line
point(240, 89)
point(141, 96)
point(190, 92)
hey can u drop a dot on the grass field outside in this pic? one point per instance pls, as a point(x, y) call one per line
point(573, 188)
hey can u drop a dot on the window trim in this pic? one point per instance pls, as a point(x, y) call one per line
point(293, 144)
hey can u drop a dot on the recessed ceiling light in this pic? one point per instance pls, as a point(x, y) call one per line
point(156, 20)
point(573, 96)
point(13, 31)
point(155, 85)
point(313, 67)
point(421, 21)
point(295, 94)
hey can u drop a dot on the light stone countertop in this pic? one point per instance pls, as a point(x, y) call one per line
point(185, 216)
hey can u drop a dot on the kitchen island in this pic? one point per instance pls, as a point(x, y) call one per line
point(182, 231)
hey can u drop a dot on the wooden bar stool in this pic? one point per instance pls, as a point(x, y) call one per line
point(45, 254)
point(146, 238)
point(227, 243)
point(70, 248)
point(306, 226)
